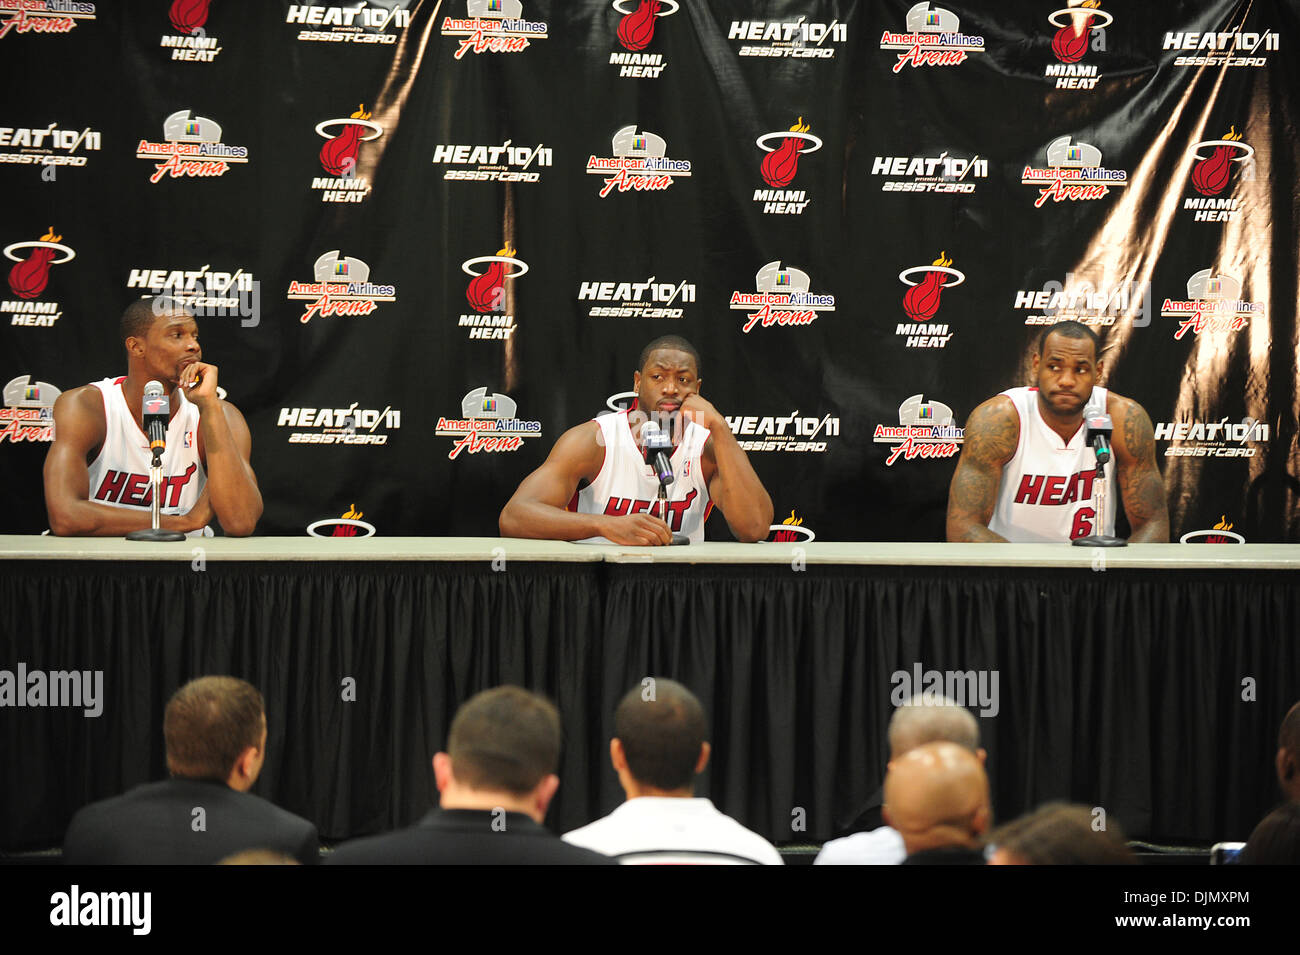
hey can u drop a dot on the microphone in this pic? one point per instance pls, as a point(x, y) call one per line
point(658, 446)
point(1099, 432)
point(157, 415)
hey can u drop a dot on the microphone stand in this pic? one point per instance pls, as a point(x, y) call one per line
point(154, 533)
point(678, 539)
point(1099, 505)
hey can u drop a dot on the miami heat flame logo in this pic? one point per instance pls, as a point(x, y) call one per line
point(349, 525)
point(637, 28)
point(29, 277)
point(791, 529)
point(338, 156)
point(782, 162)
point(921, 301)
point(1071, 40)
point(188, 15)
point(486, 292)
point(1211, 173)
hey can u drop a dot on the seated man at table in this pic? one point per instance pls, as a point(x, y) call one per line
point(597, 484)
point(97, 469)
point(1026, 471)
point(215, 733)
point(660, 746)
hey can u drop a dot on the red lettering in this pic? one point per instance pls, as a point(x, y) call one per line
point(625, 180)
point(1052, 490)
point(617, 506)
point(1085, 479)
point(110, 489)
point(1082, 523)
point(479, 43)
point(134, 493)
point(639, 506)
point(178, 167)
point(1030, 487)
point(1059, 192)
point(921, 57)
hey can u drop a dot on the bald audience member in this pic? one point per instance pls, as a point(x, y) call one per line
point(937, 797)
point(1060, 834)
point(924, 719)
point(1288, 754)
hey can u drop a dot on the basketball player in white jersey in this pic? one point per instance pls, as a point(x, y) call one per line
point(596, 484)
point(1026, 472)
point(97, 469)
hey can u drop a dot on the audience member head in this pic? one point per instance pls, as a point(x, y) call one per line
point(660, 740)
point(933, 719)
point(1288, 754)
point(215, 729)
point(1058, 833)
point(937, 797)
point(502, 752)
point(1276, 840)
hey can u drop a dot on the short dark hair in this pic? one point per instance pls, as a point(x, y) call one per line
point(1276, 840)
point(675, 342)
point(662, 728)
point(1059, 833)
point(506, 739)
point(209, 722)
point(1070, 329)
point(142, 313)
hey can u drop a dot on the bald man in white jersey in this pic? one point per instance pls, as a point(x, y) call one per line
point(97, 469)
point(1026, 472)
point(596, 484)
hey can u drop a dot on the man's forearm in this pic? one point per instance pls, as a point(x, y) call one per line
point(90, 519)
point(236, 500)
point(745, 502)
point(533, 519)
point(971, 532)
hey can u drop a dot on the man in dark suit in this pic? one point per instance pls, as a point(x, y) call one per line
point(495, 781)
point(215, 733)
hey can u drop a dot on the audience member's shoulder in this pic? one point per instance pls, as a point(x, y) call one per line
point(883, 846)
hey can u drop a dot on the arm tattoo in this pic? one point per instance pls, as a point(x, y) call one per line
point(992, 433)
point(1140, 484)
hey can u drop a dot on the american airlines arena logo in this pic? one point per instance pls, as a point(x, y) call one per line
point(338, 156)
point(29, 277)
point(780, 166)
point(1080, 27)
point(365, 23)
point(28, 414)
point(639, 162)
point(1213, 304)
point(192, 148)
point(42, 16)
point(933, 38)
point(493, 26)
point(349, 524)
point(342, 288)
point(930, 174)
point(925, 430)
point(1214, 161)
point(800, 39)
point(636, 29)
point(492, 163)
point(1073, 173)
point(487, 423)
point(190, 43)
point(46, 146)
point(781, 298)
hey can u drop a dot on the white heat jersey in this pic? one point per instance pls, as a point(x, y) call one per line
point(119, 476)
point(1046, 494)
point(626, 484)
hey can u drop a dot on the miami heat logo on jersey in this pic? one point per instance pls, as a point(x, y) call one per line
point(135, 490)
point(1053, 489)
point(618, 506)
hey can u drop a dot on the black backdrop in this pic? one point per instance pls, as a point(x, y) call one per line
point(1172, 87)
